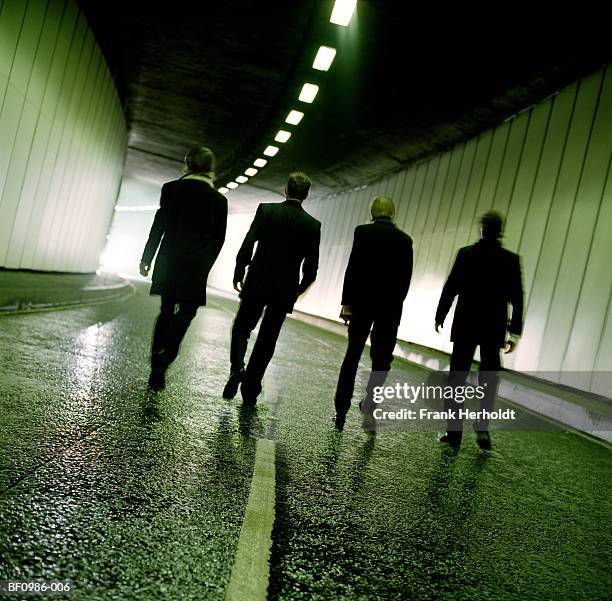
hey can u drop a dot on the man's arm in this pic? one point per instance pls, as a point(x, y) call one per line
point(450, 290)
point(310, 266)
point(219, 236)
point(516, 299)
point(245, 254)
point(352, 270)
point(155, 235)
point(406, 274)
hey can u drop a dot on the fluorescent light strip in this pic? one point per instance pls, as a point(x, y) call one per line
point(120, 209)
point(324, 58)
point(282, 136)
point(232, 185)
point(342, 12)
point(260, 163)
point(308, 93)
point(270, 151)
point(250, 172)
point(241, 179)
point(294, 117)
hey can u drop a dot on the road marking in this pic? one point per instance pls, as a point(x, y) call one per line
point(251, 569)
point(46, 307)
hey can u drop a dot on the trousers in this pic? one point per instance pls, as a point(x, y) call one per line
point(170, 328)
point(382, 342)
point(461, 361)
point(247, 317)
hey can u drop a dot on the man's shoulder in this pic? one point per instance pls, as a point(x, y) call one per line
point(508, 253)
point(402, 234)
point(389, 232)
point(312, 220)
point(510, 257)
point(497, 249)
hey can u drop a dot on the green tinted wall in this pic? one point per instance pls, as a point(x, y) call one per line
point(62, 138)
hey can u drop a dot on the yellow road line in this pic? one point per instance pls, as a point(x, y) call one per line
point(251, 569)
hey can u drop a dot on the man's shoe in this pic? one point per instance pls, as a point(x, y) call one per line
point(452, 439)
point(368, 422)
point(483, 440)
point(339, 419)
point(157, 379)
point(231, 388)
point(249, 393)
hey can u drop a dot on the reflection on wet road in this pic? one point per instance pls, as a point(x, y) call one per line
point(133, 495)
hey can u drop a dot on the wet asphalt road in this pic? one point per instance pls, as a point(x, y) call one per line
point(137, 496)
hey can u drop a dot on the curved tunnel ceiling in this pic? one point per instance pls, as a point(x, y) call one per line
point(402, 85)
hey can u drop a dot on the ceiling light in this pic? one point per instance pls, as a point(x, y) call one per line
point(282, 136)
point(270, 151)
point(324, 58)
point(241, 179)
point(223, 190)
point(232, 185)
point(260, 162)
point(250, 172)
point(343, 11)
point(294, 117)
point(308, 93)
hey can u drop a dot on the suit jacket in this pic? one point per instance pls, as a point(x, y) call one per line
point(190, 224)
point(379, 270)
point(286, 236)
point(485, 277)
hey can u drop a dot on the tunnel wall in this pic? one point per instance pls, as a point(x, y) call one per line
point(63, 138)
point(547, 169)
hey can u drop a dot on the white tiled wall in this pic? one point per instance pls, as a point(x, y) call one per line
point(62, 138)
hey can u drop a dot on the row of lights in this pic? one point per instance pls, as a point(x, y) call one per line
point(341, 15)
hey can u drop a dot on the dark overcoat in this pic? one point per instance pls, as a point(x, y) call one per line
point(190, 224)
point(379, 269)
point(287, 241)
point(486, 278)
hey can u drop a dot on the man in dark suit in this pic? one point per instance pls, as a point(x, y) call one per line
point(485, 278)
point(376, 282)
point(190, 224)
point(287, 238)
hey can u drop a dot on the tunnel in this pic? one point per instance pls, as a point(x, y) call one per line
point(392, 168)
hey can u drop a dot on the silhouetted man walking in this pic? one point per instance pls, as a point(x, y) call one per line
point(287, 238)
point(485, 278)
point(190, 224)
point(376, 282)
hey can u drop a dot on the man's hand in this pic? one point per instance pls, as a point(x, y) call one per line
point(511, 343)
point(346, 314)
point(238, 287)
point(144, 268)
point(437, 327)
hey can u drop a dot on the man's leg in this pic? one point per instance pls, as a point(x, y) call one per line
point(159, 343)
point(178, 327)
point(383, 339)
point(490, 364)
point(161, 330)
point(245, 321)
point(461, 361)
point(358, 331)
point(263, 350)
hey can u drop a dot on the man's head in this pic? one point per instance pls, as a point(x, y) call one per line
point(492, 225)
point(382, 206)
point(298, 185)
point(200, 160)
